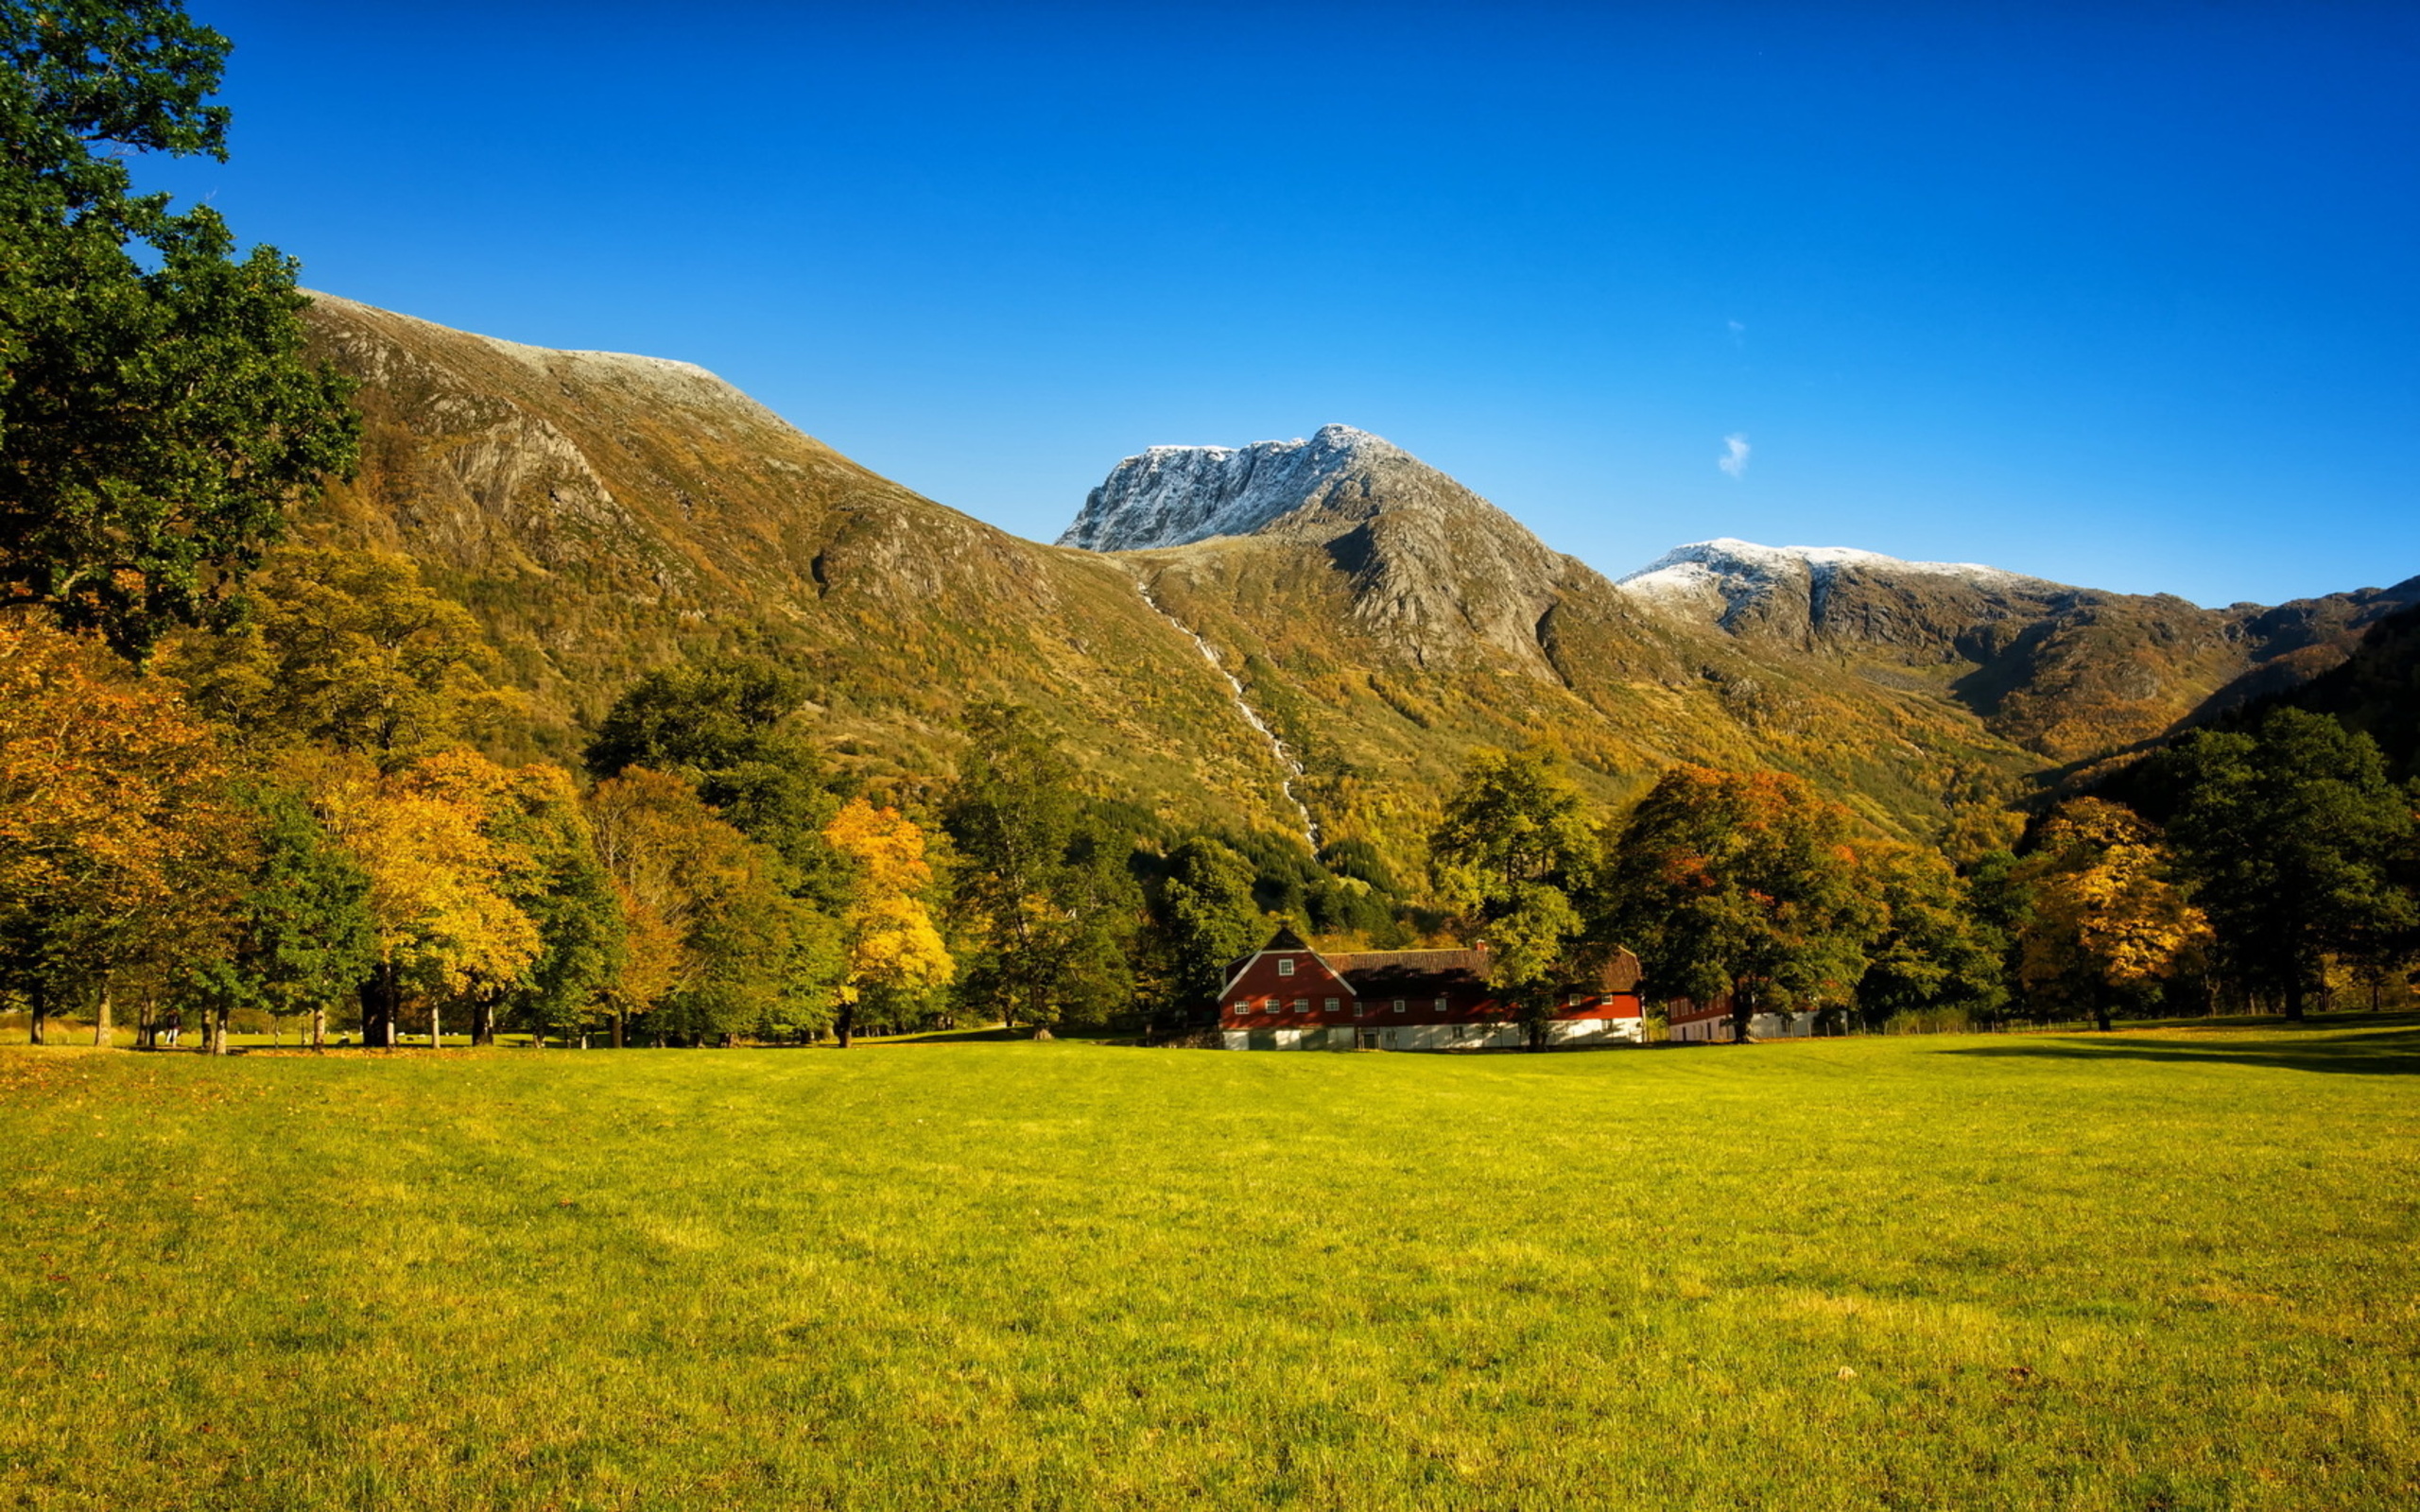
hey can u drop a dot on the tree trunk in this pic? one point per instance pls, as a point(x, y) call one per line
point(2294, 997)
point(618, 1028)
point(218, 1033)
point(38, 1015)
point(378, 1005)
point(846, 1023)
point(436, 1025)
point(318, 1026)
point(2101, 1011)
point(101, 1020)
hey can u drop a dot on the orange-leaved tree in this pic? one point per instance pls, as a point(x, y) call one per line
point(439, 885)
point(115, 826)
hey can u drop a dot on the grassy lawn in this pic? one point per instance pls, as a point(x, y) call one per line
point(2171, 1269)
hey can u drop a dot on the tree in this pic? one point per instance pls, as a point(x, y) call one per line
point(561, 884)
point(1513, 850)
point(894, 956)
point(1742, 886)
point(347, 649)
point(1205, 918)
point(155, 409)
point(725, 723)
point(441, 886)
point(1935, 949)
point(2107, 916)
point(712, 938)
point(115, 821)
point(2289, 835)
point(1041, 885)
point(300, 934)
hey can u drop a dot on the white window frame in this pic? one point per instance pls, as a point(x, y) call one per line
point(1332, 1005)
point(1301, 1005)
point(1402, 1006)
point(1444, 1004)
point(1285, 966)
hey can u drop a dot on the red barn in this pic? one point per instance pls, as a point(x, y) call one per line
point(1288, 996)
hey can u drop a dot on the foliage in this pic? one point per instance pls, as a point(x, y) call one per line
point(2289, 834)
point(1203, 918)
point(1934, 950)
point(441, 886)
point(726, 723)
point(300, 935)
point(2107, 916)
point(114, 819)
point(1514, 849)
point(155, 410)
point(1043, 888)
point(894, 953)
point(347, 649)
point(715, 946)
point(1742, 886)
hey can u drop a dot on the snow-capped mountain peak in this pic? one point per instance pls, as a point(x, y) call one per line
point(1170, 495)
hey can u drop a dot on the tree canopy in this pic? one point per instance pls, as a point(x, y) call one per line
point(156, 411)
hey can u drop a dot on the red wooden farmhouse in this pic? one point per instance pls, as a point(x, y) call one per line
point(1288, 996)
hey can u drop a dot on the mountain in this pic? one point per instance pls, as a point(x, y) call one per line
point(1285, 637)
point(2066, 672)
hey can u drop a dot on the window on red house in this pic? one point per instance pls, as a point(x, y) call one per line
point(1285, 966)
point(1444, 1004)
point(1401, 1007)
point(1301, 1005)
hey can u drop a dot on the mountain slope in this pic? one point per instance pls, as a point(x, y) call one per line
point(603, 514)
point(2066, 672)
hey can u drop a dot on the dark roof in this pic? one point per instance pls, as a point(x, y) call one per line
point(1286, 939)
point(1429, 973)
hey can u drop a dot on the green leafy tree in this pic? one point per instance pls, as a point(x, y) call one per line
point(1514, 849)
point(727, 723)
point(300, 935)
point(565, 890)
point(1041, 885)
point(1205, 918)
point(1936, 951)
point(2289, 835)
point(156, 412)
point(1745, 886)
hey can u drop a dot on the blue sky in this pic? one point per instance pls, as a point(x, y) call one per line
point(2122, 296)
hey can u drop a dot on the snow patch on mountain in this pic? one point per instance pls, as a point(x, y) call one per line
point(1170, 495)
point(1723, 577)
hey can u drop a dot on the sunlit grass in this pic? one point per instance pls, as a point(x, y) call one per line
point(2171, 1269)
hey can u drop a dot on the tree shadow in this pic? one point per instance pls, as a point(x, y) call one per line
point(2383, 1052)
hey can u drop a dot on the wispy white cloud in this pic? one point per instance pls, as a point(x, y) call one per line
point(1734, 459)
point(1739, 333)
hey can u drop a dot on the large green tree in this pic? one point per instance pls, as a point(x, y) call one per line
point(1513, 851)
point(727, 723)
point(1937, 949)
point(1203, 919)
point(156, 412)
point(1043, 886)
point(2290, 834)
point(1745, 885)
point(299, 936)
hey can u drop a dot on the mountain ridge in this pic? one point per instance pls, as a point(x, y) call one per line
point(602, 514)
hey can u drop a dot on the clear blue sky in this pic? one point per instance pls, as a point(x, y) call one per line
point(2124, 295)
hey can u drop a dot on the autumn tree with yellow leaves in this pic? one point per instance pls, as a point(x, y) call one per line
point(2107, 917)
point(893, 952)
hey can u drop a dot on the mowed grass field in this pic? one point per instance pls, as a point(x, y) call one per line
point(2173, 1269)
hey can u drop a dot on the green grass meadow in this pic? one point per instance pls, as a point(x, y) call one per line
point(2162, 1270)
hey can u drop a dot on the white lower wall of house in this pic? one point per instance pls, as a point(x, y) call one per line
point(1433, 1036)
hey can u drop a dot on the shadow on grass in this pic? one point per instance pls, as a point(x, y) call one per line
point(2373, 1053)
